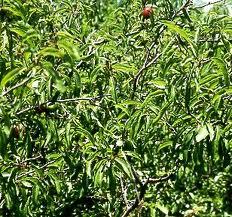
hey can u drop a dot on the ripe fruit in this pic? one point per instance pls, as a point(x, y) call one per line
point(41, 109)
point(147, 12)
point(17, 130)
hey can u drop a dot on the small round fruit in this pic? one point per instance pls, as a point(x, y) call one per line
point(147, 12)
point(15, 132)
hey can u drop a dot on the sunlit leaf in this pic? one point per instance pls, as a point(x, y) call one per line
point(51, 51)
point(202, 133)
point(98, 176)
point(162, 208)
point(222, 66)
point(26, 184)
point(159, 83)
point(172, 26)
point(10, 75)
point(123, 67)
point(164, 145)
point(124, 166)
point(175, 28)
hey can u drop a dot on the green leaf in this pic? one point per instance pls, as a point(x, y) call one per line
point(68, 134)
point(95, 73)
point(209, 78)
point(48, 67)
point(11, 74)
point(162, 208)
point(2, 67)
point(123, 108)
point(172, 26)
point(123, 166)
point(12, 175)
point(9, 201)
point(98, 176)
point(19, 31)
point(222, 67)
point(69, 48)
point(187, 94)
point(60, 86)
point(89, 168)
point(229, 91)
point(86, 134)
point(112, 180)
point(159, 83)
point(211, 131)
point(65, 35)
point(202, 133)
point(162, 111)
point(51, 51)
point(57, 182)
point(15, 11)
point(26, 184)
point(35, 192)
point(133, 154)
point(124, 67)
point(3, 143)
point(164, 145)
point(113, 89)
point(132, 102)
point(53, 156)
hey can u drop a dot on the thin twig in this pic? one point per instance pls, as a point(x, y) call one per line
point(80, 99)
point(25, 110)
point(147, 63)
point(49, 163)
point(209, 3)
point(40, 167)
point(32, 159)
point(157, 180)
point(132, 33)
point(124, 192)
point(182, 8)
point(16, 86)
point(102, 41)
point(72, 100)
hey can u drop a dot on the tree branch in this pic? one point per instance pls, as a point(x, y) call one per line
point(182, 8)
point(147, 63)
point(142, 192)
point(124, 192)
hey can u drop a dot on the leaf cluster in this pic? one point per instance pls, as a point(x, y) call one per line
point(103, 113)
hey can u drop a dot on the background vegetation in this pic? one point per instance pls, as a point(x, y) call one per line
point(104, 113)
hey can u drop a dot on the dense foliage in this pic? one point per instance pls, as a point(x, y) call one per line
point(106, 113)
